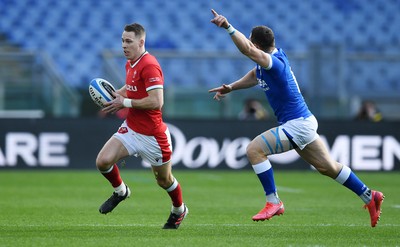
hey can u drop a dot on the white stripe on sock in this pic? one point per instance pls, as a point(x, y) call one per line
point(107, 171)
point(262, 167)
point(173, 186)
point(343, 175)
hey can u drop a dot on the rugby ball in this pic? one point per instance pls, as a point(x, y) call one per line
point(100, 91)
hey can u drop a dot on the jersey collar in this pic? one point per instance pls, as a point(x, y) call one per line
point(137, 61)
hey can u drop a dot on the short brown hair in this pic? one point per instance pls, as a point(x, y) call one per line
point(136, 28)
point(263, 36)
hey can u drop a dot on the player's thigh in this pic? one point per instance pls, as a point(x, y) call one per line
point(272, 141)
point(112, 151)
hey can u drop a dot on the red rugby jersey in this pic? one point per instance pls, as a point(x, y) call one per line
point(144, 75)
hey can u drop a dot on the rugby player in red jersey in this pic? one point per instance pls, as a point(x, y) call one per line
point(144, 132)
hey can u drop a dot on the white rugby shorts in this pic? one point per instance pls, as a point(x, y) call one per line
point(156, 150)
point(302, 131)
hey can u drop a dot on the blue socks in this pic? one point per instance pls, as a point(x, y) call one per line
point(347, 178)
point(265, 174)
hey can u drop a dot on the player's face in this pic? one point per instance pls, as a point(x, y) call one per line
point(132, 45)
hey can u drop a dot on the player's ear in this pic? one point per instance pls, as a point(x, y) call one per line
point(141, 42)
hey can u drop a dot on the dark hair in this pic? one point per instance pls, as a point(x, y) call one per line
point(136, 28)
point(263, 36)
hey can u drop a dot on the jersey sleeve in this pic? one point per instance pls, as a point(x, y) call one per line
point(276, 64)
point(152, 77)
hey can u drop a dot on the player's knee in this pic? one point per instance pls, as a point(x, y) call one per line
point(253, 151)
point(103, 163)
point(164, 182)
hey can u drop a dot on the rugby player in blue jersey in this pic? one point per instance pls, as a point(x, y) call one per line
point(297, 127)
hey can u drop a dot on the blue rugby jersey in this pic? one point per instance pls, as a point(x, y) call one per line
point(281, 88)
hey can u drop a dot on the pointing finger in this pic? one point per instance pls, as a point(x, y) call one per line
point(214, 12)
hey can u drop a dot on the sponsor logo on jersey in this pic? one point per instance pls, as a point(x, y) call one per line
point(154, 79)
point(131, 88)
point(263, 84)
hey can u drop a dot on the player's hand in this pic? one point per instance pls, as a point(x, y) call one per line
point(219, 20)
point(114, 105)
point(220, 92)
point(122, 92)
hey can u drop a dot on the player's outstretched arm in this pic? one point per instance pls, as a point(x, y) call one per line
point(245, 46)
point(220, 92)
point(219, 20)
point(249, 80)
point(242, 43)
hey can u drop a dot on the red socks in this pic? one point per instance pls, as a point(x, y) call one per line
point(175, 192)
point(113, 176)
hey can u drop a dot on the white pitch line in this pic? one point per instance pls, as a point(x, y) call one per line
point(289, 190)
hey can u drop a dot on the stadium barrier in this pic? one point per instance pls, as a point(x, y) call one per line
point(198, 144)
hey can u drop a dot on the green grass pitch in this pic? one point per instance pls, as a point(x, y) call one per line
point(60, 208)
